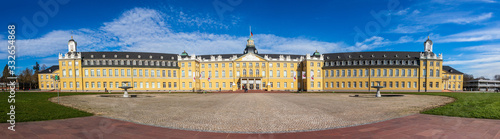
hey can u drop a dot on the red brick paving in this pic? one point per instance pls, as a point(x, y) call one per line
point(414, 126)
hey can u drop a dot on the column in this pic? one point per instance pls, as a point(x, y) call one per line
point(254, 87)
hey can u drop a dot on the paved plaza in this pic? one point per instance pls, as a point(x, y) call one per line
point(253, 112)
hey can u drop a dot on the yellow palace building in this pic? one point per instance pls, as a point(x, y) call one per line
point(353, 71)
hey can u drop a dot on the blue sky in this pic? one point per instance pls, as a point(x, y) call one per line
point(466, 32)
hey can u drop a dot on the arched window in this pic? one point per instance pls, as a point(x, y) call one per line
point(250, 72)
point(257, 72)
point(244, 72)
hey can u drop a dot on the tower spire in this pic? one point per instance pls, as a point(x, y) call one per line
point(71, 34)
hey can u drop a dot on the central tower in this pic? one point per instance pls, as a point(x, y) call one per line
point(250, 45)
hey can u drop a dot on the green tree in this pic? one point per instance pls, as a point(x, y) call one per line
point(5, 73)
point(35, 75)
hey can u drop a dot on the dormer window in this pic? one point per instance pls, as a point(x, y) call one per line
point(408, 56)
point(360, 56)
point(373, 55)
point(103, 56)
point(172, 57)
point(128, 62)
point(169, 63)
point(338, 57)
point(146, 63)
point(396, 55)
point(126, 56)
point(327, 57)
point(349, 56)
point(140, 63)
point(116, 56)
point(348, 62)
point(385, 62)
point(161, 57)
point(134, 62)
point(150, 57)
point(139, 56)
point(385, 55)
point(91, 56)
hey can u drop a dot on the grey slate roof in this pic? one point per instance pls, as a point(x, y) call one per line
point(262, 55)
point(451, 70)
point(132, 55)
point(50, 69)
point(375, 55)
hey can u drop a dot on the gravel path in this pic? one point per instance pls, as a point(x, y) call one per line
point(253, 112)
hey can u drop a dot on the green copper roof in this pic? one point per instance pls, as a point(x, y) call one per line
point(316, 53)
point(184, 53)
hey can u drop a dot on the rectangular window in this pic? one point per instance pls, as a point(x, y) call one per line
point(146, 73)
point(104, 72)
point(128, 72)
point(92, 73)
point(190, 85)
point(140, 73)
point(98, 73)
point(86, 73)
point(183, 85)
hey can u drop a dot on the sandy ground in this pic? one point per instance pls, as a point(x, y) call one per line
point(253, 112)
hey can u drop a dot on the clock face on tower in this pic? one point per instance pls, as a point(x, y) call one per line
point(71, 46)
point(255, 51)
point(245, 51)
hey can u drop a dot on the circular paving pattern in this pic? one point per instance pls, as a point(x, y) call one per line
point(254, 112)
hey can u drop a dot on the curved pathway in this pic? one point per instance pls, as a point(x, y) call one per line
point(413, 126)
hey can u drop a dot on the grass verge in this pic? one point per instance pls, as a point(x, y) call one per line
point(469, 105)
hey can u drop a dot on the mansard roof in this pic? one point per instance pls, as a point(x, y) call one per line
point(375, 55)
point(131, 55)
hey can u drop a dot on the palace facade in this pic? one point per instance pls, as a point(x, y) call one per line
point(353, 71)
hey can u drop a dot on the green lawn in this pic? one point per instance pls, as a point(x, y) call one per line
point(34, 106)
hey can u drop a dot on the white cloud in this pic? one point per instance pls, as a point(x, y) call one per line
point(148, 30)
point(485, 34)
point(482, 60)
point(405, 29)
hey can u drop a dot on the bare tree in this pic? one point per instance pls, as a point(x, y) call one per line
point(468, 77)
point(497, 77)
